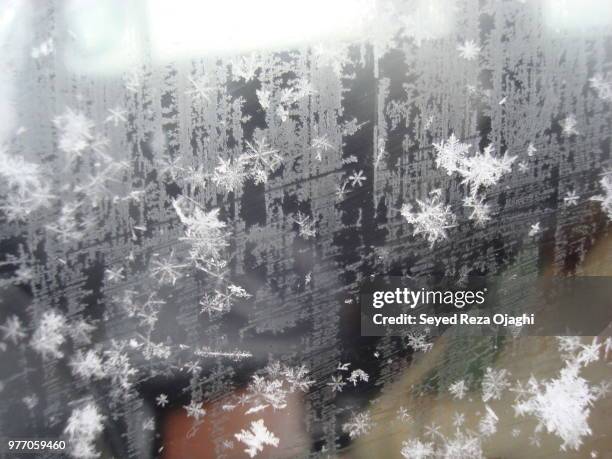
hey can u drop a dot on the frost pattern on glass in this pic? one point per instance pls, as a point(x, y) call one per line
point(189, 236)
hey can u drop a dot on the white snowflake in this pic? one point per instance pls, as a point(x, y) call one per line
point(114, 275)
point(84, 425)
point(80, 331)
point(415, 449)
point(44, 49)
point(167, 271)
point(357, 375)
point(461, 446)
point(337, 383)
point(205, 232)
point(117, 116)
point(531, 150)
point(256, 438)
point(450, 153)
point(458, 419)
point(263, 392)
point(357, 179)
point(194, 410)
point(432, 219)
point(23, 185)
point(88, 365)
point(297, 378)
point(468, 50)
point(561, 405)
point(75, 132)
point(534, 229)
point(602, 86)
point(494, 383)
point(200, 88)
point(568, 125)
point(487, 425)
point(306, 225)
point(458, 389)
point(403, 414)
point(221, 302)
point(49, 335)
point(13, 329)
point(571, 198)
point(262, 157)
point(484, 170)
point(606, 198)
point(481, 212)
point(321, 145)
point(246, 67)
point(161, 400)
point(359, 425)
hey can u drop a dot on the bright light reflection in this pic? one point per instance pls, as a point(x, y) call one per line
point(578, 14)
point(191, 27)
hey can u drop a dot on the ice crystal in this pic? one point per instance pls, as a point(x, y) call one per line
point(531, 150)
point(468, 50)
point(432, 219)
point(321, 145)
point(337, 383)
point(357, 375)
point(13, 329)
point(462, 445)
point(167, 271)
point(561, 405)
point(117, 116)
point(450, 153)
point(194, 410)
point(22, 186)
point(118, 368)
point(488, 423)
point(418, 341)
point(200, 89)
point(458, 389)
point(306, 225)
point(256, 438)
point(415, 449)
point(83, 427)
point(76, 133)
point(606, 198)
point(256, 163)
point(403, 414)
point(88, 365)
point(602, 86)
point(484, 170)
point(358, 425)
point(571, 198)
point(494, 383)
point(568, 125)
point(480, 211)
point(357, 179)
point(534, 229)
point(161, 400)
point(246, 67)
point(221, 301)
point(297, 378)
point(272, 389)
point(50, 335)
point(480, 170)
point(205, 232)
point(458, 419)
point(46, 48)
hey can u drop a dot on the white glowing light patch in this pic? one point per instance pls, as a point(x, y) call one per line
point(184, 28)
point(577, 14)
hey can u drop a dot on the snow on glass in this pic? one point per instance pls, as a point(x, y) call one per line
point(139, 181)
